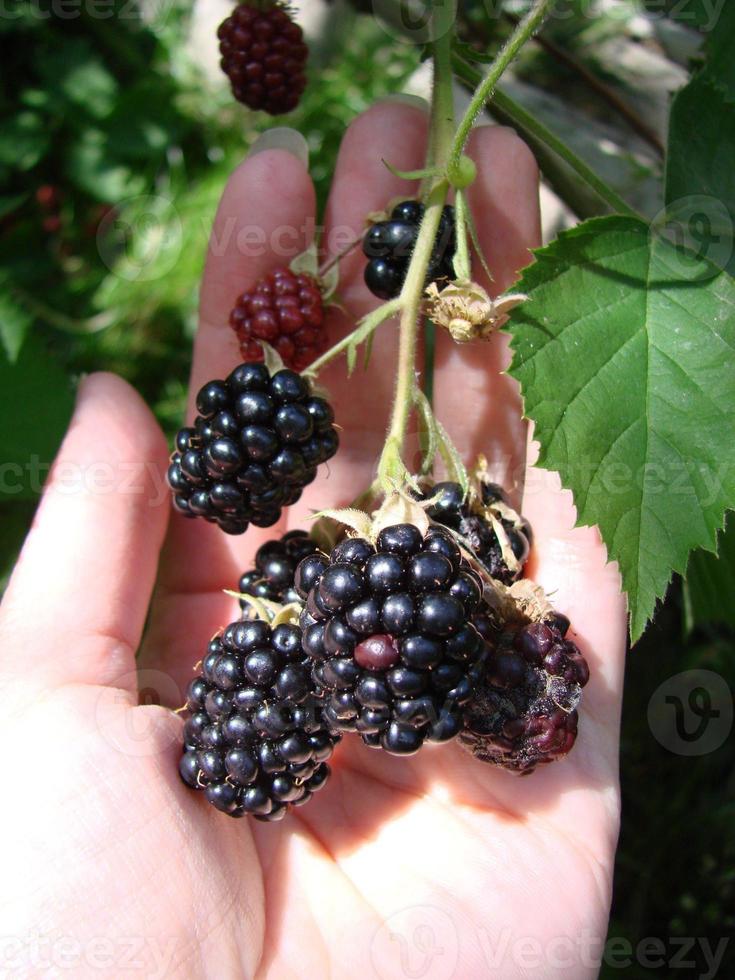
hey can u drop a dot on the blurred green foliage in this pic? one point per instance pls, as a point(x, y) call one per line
point(114, 149)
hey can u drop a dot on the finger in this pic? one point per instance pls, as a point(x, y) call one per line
point(75, 606)
point(395, 132)
point(571, 564)
point(265, 219)
point(479, 404)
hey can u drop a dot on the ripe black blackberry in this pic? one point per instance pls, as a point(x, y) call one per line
point(524, 709)
point(255, 444)
point(254, 739)
point(285, 309)
point(389, 244)
point(388, 630)
point(275, 567)
point(264, 56)
point(482, 533)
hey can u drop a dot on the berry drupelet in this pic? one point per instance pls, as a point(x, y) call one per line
point(255, 444)
point(264, 56)
point(524, 709)
point(388, 630)
point(483, 526)
point(254, 739)
point(275, 568)
point(389, 244)
point(285, 309)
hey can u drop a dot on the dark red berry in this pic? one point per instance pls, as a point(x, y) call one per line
point(377, 652)
point(523, 711)
point(264, 56)
point(286, 310)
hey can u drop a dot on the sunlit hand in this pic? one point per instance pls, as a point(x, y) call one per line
point(436, 866)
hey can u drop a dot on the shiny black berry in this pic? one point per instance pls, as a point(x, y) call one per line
point(255, 740)
point(388, 245)
point(497, 537)
point(255, 444)
point(388, 630)
point(275, 567)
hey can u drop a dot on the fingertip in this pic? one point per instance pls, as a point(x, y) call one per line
point(506, 196)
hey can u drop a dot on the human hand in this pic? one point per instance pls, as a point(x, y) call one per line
point(435, 866)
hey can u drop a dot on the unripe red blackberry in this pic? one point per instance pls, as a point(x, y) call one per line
point(264, 56)
point(284, 309)
point(523, 711)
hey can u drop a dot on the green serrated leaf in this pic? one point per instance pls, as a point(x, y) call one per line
point(626, 369)
point(710, 581)
point(700, 177)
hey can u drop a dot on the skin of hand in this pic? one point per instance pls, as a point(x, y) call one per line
point(436, 866)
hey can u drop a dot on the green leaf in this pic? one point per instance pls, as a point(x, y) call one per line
point(700, 177)
point(10, 202)
point(710, 581)
point(720, 66)
point(703, 15)
point(23, 141)
point(37, 405)
point(90, 167)
point(14, 323)
point(626, 369)
point(78, 76)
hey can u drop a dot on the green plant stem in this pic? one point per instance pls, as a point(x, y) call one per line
point(378, 316)
point(535, 131)
point(442, 131)
point(523, 32)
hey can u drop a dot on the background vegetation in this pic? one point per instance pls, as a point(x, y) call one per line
point(113, 152)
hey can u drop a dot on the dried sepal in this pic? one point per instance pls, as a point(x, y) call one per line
point(467, 311)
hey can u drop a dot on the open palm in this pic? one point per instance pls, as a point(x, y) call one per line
point(435, 866)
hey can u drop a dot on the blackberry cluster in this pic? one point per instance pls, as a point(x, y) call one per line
point(264, 57)
point(254, 739)
point(255, 444)
point(275, 568)
point(452, 510)
point(388, 630)
point(285, 309)
point(389, 244)
point(524, 709)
